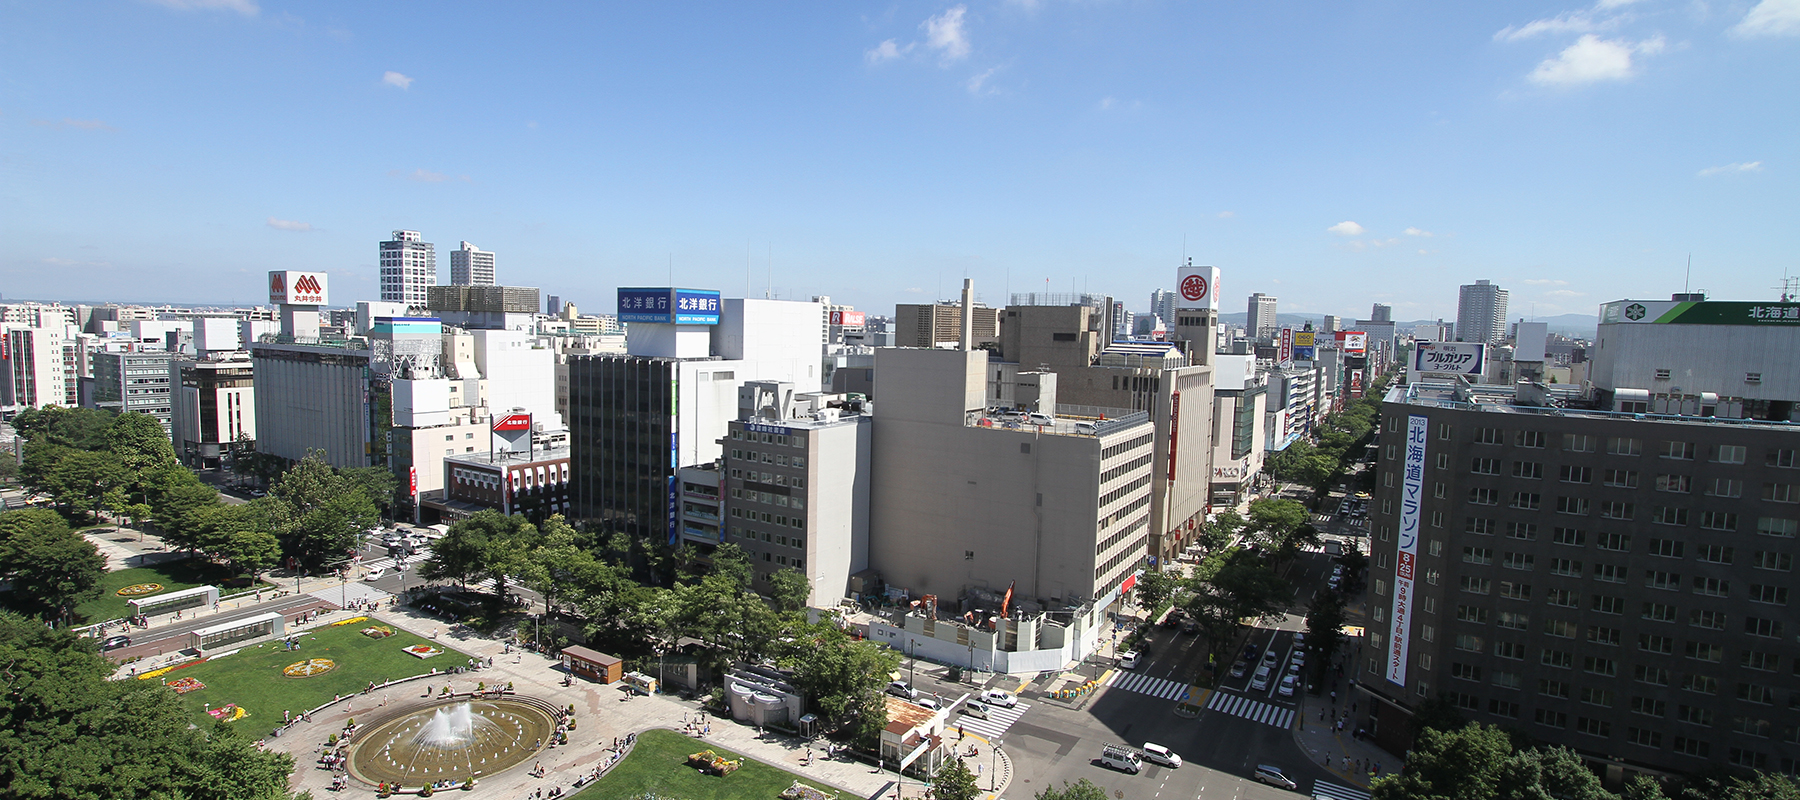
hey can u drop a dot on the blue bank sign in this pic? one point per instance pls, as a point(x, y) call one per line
point(669, 306)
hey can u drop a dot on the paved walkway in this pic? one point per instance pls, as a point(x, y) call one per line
point(605, 714)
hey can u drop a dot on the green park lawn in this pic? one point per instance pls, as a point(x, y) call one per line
point(658, 765)
point(173, 575)
point(252, 677)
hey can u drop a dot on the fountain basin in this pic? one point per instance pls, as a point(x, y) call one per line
point(451, 741)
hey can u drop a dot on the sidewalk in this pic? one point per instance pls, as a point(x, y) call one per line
point(1357, 761)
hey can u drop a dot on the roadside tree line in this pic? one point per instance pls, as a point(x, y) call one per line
point(590, 576)
point(1341, 438)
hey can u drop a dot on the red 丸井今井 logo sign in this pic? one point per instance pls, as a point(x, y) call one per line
point(1193, 288)
point(513, 422)
point(307, 284)
point(277, 283)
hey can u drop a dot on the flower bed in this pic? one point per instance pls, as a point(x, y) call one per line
point(230, 712)
point(309, 668)
point(422, 650)
point(157, 673)
point(378, 631)
point(139, 589)
point(350, 621)
point(185, 685)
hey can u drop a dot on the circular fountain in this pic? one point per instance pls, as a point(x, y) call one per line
point(450, 742)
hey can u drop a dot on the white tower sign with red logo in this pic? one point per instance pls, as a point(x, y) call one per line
point(293, 288)
point(1198, 287)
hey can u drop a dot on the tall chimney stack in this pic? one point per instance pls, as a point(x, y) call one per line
point(968, 314)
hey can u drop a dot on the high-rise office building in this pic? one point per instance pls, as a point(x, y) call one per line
point(1481, 313)
point(471, 266)
point(1382, 312)
point(1261, 322)
point(408, 265)
point(1163, 303)
point(1610, 582)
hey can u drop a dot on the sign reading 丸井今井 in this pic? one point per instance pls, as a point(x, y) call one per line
point(294, 288)
point(1412, 494)
point(669, 306)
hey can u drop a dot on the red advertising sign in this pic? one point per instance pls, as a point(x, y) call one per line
point(1356, 383)
point(512, 422)
point(1193, 288)
point(1174, 428)
point(1287, 345)
point(413, 478)
point(850, 318)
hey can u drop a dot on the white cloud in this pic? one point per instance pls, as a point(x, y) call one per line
point(421, 175)
point(1566, 22)
point(886, 51)
point(1227, 214)
point(1565, 293)
point(945, 33)
point(1770, 18)
point(392, 78)
point(1347, 228)
point(1424, 252)
point(1416, 232)
point(978, 84)
point(1731, 169)
point(1544, 282)
point(1592, 58)
point(246, 7)
point(1383, 242)
point(289, 225)
point(1106, 103)
point(69, 262)
point(78, 124)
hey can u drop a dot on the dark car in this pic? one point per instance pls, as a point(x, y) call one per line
point(1250, 651)
point(1190, 627)
point(1238, 669)
point(115, 643)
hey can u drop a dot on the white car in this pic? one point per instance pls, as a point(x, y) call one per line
point(1157, 754)
point(374, 573)
point(1260, 680)
point(997, 697)
point(1129, 660)
point(1287, 686)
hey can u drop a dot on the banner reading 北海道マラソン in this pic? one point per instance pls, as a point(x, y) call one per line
point(1412, 492)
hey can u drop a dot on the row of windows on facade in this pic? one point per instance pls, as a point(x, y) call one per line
point(1615, 445)
point(1705, 619)
point(796, 522)
point(1674, 483)
point(768, 498)
point(780, 460)
point(1769, 594)
point(771, 557)
point(769, 438)
point(1611, 509)
point(1773, 560)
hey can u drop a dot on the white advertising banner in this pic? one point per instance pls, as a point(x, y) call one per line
point(1449, 358)
point(1199, 287)
point(1412, 492)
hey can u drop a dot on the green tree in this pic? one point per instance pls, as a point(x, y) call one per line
point(1156, 587)
point(1083, 789)
point(487, 544)
point(1643, 787)
point(1464, 764)
point(81, 480)
point(1275, 521)
point(181, 504)
point(242, 535)
point(730, 561)
point(377, 483)
point(559, 566)
point(789, 590)
point(954, 781)
point(843, 678)
point(626, 618)
point(69, 732)
point(320, 513)
point(1324, 631)
point(141, 447)
point(1231, 586)
point(76, 428)
point(51, 568)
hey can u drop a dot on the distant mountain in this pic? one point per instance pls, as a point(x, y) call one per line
point(1580, 326)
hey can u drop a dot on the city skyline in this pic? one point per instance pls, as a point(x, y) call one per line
point(1573, 154)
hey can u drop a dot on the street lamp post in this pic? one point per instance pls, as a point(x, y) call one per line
point(994, 766)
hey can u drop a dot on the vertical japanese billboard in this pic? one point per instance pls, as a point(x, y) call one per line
point(1304, 347)
point(1412, 493)
point(1287, 345)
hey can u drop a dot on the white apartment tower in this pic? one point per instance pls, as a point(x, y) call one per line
point(1260, 324)
point(408, 265)
point(1481, 313)
point(471, 266)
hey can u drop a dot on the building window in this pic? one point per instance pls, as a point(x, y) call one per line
point(1529, 470)
point(1764, 593)
point(1563, 598)
point(1488, 436)
point(1780, 562)
point(1478, 555)
point(1607, 604)
point(1704, 618)
point(1602, 635)
point(1651, 643)
point(1484, 527)
point(1621, 478)
point(1784, 459)
point(1715, 554)
point(1572, 474)
point(1533, 439)
point(1772, 526)
point(1624, 446)
point(1659, 612)
point(1561, 659)
point(1718, 520)
point(1614, 509)
point(1550, 718)
point(1654, 676)
point(1712, 587)
point(1573, 537)
point(1680, 451)
point(1526, 531)
point(1485, 466)
point(1613, 541)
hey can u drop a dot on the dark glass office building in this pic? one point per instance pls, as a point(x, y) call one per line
point(622, 441)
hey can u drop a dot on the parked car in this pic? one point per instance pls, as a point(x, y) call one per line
point(1190, 627)
point(115, 642)
point(926, 702)
point(1122, 759)
point(1288, 682)
point(998, 697)
point(1157, 754)
point(1273, 776)
point(1129, 660)
point(1271, 658)
point(1239, 667)
point(974, 708)
point(1260, 680)
point(258, 493)
point(901, 690)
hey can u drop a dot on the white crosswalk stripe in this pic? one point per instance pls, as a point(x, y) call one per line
point(1144, 684)
point(1254, 710)
point(999, 719)
point(379, 563)
point(1326, 790)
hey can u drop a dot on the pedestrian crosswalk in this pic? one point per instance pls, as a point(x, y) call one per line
point(998, 721)
point(1255, 710)
point(379, 563)
point(1326, 790)
point(1144, 684)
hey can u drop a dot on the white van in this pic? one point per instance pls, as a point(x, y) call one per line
point(1122, 759)
point(1260, 680)
point(1035, 418)
point(1157, 754)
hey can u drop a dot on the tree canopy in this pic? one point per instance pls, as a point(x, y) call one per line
point(51, 568)
point(68, 732)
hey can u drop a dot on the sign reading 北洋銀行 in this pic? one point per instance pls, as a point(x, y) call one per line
point(669, 306)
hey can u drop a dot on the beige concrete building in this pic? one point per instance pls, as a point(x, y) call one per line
point(929, 325)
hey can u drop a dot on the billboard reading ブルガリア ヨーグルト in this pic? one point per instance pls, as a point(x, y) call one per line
point(1449, 358)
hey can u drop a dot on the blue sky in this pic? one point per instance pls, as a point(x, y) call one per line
point(1332, 154)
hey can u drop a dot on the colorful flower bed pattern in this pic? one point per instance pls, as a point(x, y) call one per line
point(422, 650)
point(230, 712)
point(139, 590)
point(157, 673)
point(350, 621)
point(309, 668)
point(186, 685)
point(378, 631)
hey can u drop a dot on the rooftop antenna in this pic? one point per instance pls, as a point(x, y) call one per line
point(1688, 278)
point(769, 291)
point(1790, 288)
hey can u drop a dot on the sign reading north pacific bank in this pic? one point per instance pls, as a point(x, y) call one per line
point(669, 306)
